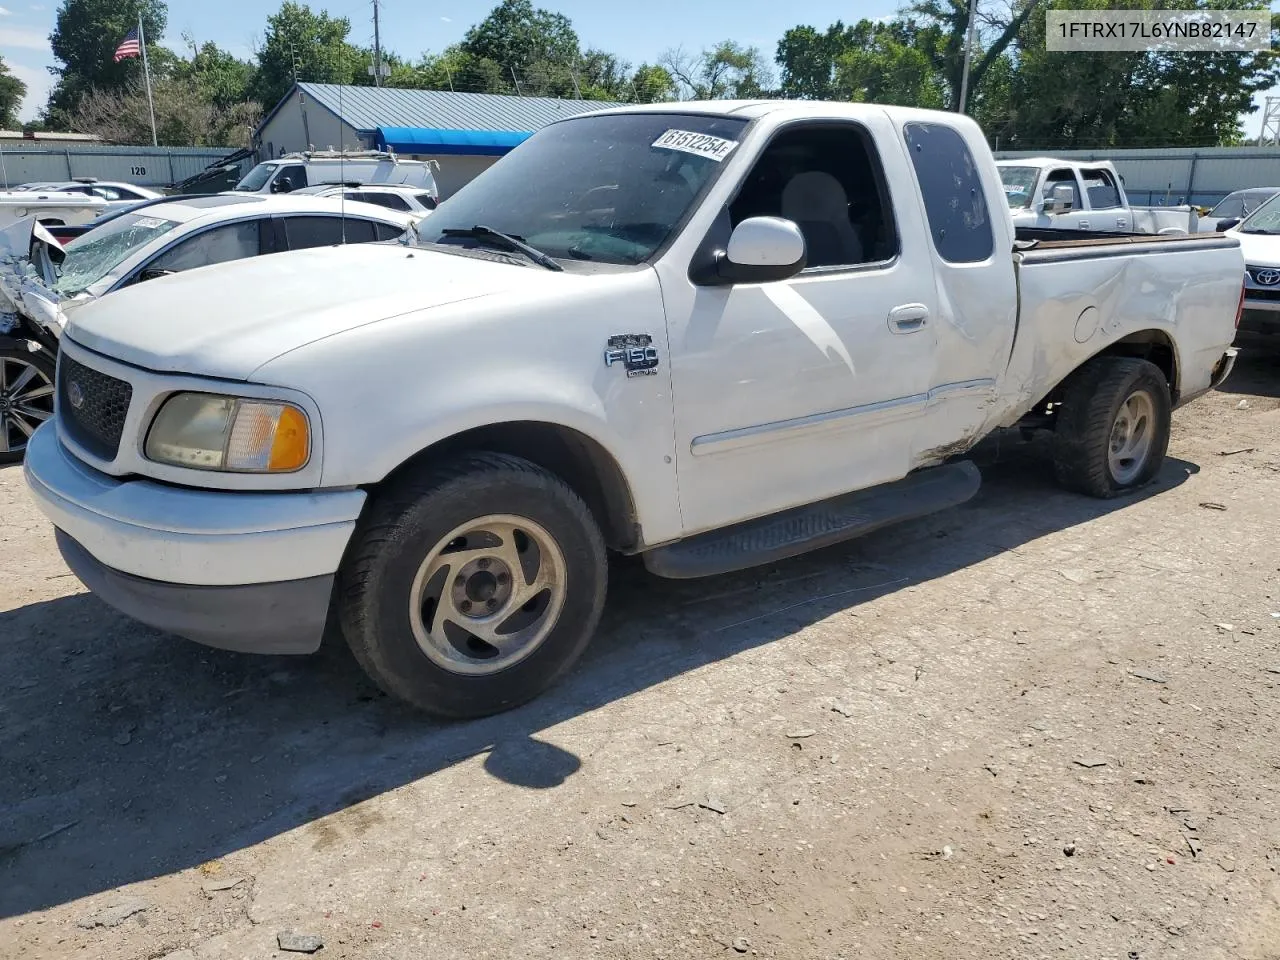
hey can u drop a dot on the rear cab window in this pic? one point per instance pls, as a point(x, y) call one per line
point(1101, 188)
point(951, 187)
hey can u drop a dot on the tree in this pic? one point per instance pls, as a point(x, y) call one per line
point(952, 17)
point(1064, 100)
point(304, 45)
point(726, 71)
point(84, 39)
point(808, 59)
point(518, 37)
point(652, 84)
point(888, 65)
point(12, 92)
point(221, 77)
point(184, 115)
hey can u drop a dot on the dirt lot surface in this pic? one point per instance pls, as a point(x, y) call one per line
point(1035, 726)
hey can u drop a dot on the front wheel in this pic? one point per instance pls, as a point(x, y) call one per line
point(26, 398)
point(473, 587)
point(1112, 430)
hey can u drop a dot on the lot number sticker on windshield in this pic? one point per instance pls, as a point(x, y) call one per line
point(148, 223)
point(699, 144)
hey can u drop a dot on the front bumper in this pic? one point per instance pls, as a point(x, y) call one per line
point(239, 570)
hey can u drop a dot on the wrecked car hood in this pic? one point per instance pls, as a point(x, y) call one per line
point(29, 255)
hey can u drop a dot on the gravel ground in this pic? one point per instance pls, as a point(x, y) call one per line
point(1035, 726)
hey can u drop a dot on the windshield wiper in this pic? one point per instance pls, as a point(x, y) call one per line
point(503, 241)
point(1258, 230)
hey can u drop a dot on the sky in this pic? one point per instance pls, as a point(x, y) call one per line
point(412, 27)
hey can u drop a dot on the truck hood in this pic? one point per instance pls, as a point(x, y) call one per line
point(1259, 249)
point(228, 320)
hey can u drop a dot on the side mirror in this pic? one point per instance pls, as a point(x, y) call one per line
point(1063, 200)
point(763, 250)
point(154, 273)
point(1226, 223)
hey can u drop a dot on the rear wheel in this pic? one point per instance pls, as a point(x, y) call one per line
point(472, 588)
point(1112, 429)
point(26, 398)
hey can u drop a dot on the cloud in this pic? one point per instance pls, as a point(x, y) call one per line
point(23, 38)
point(39, 85)
point(5, 13)
point(447, 19)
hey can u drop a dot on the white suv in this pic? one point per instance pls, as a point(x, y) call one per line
point(394, 196)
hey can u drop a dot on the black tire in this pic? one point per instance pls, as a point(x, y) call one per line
point(1091, 403)
point(406, 522)
point(12, 435)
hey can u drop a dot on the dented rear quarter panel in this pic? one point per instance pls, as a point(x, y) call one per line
point(1075, 302)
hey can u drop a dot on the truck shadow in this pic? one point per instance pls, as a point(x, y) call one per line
point(1257, 370)
point(126, 755)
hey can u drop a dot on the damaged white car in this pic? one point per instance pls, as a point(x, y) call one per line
point(29, 255)
point(41, 282)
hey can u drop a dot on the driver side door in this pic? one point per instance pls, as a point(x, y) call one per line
point(794, 391)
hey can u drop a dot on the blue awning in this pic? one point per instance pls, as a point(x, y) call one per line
point(436, 140)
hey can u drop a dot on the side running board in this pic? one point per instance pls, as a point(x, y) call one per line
point(799, 530)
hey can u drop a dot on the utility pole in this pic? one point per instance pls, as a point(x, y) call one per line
point(1270, 135)
point(377, 48)
point(968, 55)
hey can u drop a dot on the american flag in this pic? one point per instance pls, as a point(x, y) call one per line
point(129, 46)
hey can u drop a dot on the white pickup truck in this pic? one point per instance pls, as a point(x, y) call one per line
point(1069, 195)
point(717, 334)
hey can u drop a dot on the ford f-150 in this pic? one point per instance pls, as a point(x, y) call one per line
point(715, 334)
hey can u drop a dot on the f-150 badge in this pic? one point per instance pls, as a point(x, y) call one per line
point(635, 352)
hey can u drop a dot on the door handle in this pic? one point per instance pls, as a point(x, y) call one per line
point(1121, 223)
point(1084, 224)
point(908, 318)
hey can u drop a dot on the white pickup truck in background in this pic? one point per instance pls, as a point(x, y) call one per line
point(1070, 195)
point(716, 335)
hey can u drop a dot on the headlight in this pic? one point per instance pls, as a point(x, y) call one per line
point(210, 432)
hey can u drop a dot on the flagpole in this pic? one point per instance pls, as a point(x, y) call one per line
point(146, 72)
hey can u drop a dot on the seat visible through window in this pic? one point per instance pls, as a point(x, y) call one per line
point(827, 179)
point(817, 204)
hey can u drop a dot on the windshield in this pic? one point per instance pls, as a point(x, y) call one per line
point(257, 178)
point(609, 189)
point(95, 254)
point(1266, 219)
point(1018, 184)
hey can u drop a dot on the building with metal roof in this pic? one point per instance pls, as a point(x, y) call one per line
point(463, 132)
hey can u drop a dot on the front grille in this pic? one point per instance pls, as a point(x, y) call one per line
point(1262, 293)
point(1268, 272)
point(92, 407)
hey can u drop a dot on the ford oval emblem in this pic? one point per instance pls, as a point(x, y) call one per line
point(75, 393)
point(1267, 278)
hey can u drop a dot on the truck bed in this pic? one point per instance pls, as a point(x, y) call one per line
point(1079, 294)
point(1048, 238)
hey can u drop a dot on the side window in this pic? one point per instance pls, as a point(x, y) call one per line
point(1230, 207)
point(427, 200)
point(234, 241)
point(305, 232)
point(1101, 188)
point(391, 201)
point(951, 186)
point(109, 193)
point(295, 174)
point(1062, 178)
point(828, 180)
point(388, 231)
